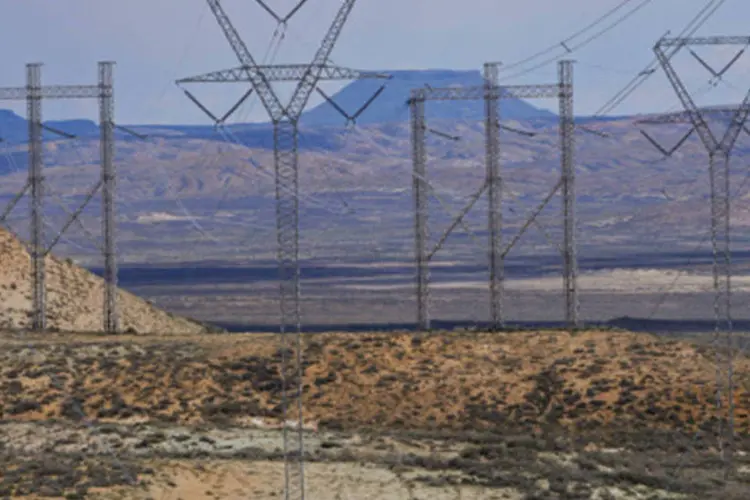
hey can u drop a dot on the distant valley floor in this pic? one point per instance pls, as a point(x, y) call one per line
point(661, 291)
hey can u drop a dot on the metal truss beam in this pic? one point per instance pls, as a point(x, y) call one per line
point(34, 93)
point(281, 73)
point(533, 217)
point(483, 92)
point(421, 212)
point(33, 96)
point(457, 221)
point(73, 217)
point(491, 93)
point(703, 40)
point(109, 203)
point(494, 183)
point(52, 92)
point(682, 117)
point(567, 149)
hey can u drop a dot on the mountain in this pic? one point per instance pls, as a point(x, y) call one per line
point(181, 180)
point(322, 121)
point(186, 196)
point(391, 103)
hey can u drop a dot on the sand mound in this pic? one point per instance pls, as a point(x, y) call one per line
point(74, 297)
point(467, 381)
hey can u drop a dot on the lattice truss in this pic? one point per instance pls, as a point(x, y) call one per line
point(719, 149)
point(491, 93)
point(285, 119)
point(34, 93)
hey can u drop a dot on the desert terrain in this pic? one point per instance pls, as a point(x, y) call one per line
point(535, 414)
point(174, 409)
point(75, 297)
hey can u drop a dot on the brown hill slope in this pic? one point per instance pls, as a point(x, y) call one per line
point(455, 381)
point(74, 297)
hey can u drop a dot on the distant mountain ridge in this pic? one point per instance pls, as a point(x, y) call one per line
point(390, 106)
point(391, 103)
point(629, 195)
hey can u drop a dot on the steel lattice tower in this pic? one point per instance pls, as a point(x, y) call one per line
point(567, 150)
point(285, 121)
point(34, 93)
point(719, 151)
point(421, 211)
point(36, 180)
point(109, 189)
point(492, 94)
point(494, 194)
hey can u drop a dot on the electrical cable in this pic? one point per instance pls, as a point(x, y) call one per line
point(582, 44)
point(274, 45)
point(690, 261)
point(276, 39)
point(570, 38)
point(57, 198)
point(246, 108)
point(694, 25)
point(310, 199)
point(604, 68)
point(227, 132)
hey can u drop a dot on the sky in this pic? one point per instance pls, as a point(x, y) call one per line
point(155, 42)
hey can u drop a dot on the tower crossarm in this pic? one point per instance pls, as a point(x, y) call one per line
point(691, 110)
point(681, 117)
point(480, 92)
point(282, 73)
point(704, 40)
point(52, 92)
point(258, 79)
point(310, 78)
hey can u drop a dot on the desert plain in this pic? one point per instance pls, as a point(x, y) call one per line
point(463, 414)
point(175, 409)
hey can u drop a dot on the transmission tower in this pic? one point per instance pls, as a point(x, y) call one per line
point(34, 93)
point(285, 121)
point(719, 151)
point(492, 93)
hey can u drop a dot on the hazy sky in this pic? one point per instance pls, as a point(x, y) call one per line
point(154, 42)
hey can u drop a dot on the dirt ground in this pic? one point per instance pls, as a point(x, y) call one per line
point(61, 460)
point(75, 297)
point(515, 415)
point(457, 381)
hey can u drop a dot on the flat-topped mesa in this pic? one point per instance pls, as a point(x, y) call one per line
point(74, 298)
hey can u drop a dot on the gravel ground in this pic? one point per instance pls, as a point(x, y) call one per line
point(468, 415)
point(146, 461)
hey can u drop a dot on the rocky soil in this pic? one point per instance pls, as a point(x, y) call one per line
point(61, 460)
point(74, 297)
point(457, 381)
point(468, 415)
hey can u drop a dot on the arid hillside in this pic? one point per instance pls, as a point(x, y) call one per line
point(453, 381)
point(520, 415)
point(74, 297)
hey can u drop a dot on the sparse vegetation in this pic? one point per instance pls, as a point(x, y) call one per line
point(75, 298)
point(532, 414)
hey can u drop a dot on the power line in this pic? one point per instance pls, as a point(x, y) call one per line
point(694, 25)
point(570, 38)
point(585, 42)
point(271, 50)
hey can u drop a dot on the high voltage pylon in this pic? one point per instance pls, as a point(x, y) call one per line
point(719, 151)
point(285, 121)
point(34, 93)
point(492, 94)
